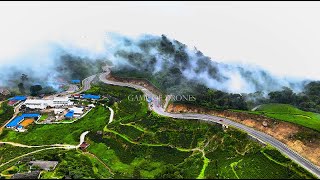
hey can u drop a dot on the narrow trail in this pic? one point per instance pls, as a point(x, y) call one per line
point(67, 146)
point(27, 154)
point(53, 146)
point(111, 115)
point(255, 108)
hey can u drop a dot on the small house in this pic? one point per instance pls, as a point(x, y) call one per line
point(84, 146)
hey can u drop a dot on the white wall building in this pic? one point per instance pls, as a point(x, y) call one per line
point(44, 103)
point(58, 111)
point(36, 103)
point(61, 102)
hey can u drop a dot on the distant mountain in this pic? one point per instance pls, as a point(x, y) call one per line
point(175, 68)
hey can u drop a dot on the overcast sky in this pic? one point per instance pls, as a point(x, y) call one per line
point(283, 37)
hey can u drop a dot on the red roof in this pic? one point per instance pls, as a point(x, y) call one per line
point(12, 102)
point(84, 145)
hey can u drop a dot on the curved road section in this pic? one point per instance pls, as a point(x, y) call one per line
point(210, 118)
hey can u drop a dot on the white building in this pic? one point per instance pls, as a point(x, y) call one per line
point(58, 111)
point(61, 102)
point(36, 103)
point(44, 103)
point(91, 105)
point(77, 111)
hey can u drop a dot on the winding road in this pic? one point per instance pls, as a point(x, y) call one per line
point(215, 119)
point(86, 83)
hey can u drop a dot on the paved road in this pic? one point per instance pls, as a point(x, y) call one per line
point(111, 115)
point(66, 146)
point(215, 119)
point(86, 83)
point(72, 88)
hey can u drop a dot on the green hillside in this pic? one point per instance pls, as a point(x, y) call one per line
point(141, 144)
point(291, 114)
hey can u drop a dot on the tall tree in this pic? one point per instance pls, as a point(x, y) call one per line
point(35, 89)
point(21, 88)
point(24, 77)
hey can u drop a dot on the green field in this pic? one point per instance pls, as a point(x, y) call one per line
point(291, 114)
point(43, 117)
point(141, 144)
point(6, 112)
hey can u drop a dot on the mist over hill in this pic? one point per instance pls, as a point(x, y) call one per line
point(170, 65)
point(51, 72)
point(173, 66)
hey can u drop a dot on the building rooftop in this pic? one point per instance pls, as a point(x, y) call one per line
point(76, 81)
point(61, 98)
point(45, 165)
point(90, 96)
point(36, 101)
point(76, 110)
point(84, 145)
point(29, 175)
point(30, 115)
point(15, 122)
point(12, 102)
point(69, 114)
point(18, 98)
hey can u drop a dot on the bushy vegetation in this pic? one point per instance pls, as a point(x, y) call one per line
point(6, 112)
point(167, 148)
point(307, 100)
point(71, 164)
point(9, 152)
point(74, 67)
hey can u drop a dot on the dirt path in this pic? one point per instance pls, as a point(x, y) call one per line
point(27, 154)
point(53, 146)
point(94, 156)
point(111, 115)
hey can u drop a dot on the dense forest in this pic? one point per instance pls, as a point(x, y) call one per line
point(308, 99)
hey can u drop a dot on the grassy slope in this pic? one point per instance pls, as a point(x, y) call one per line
point(6, 112)
point(141, 144)
point(145, 141)
point(289, 113)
